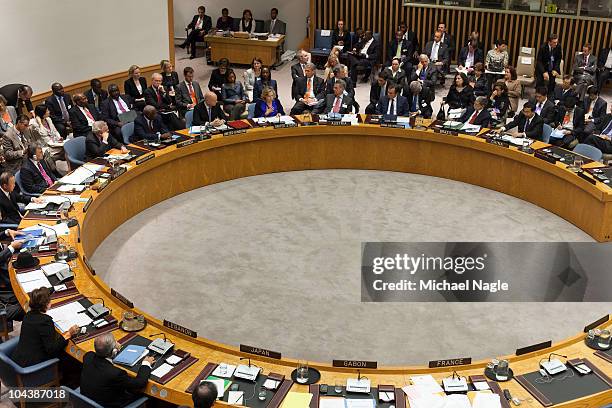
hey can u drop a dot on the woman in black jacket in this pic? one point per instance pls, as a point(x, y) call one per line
point(135, 86)
point(38, 340)
point(499, 101)
point(461, 94)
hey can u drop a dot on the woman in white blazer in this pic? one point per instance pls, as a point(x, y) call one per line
point(250, 76)
point(42, 129)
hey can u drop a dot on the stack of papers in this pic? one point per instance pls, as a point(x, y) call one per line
point(455, 113)
point(81, 174)
point(296, 400)
point(131, 355)
point(162, 370)
point(467, 127)
point(229, 370)
point(482, 400)
point(54, 268)
point(449, 124)
point(221, 384)
point(68, 315)
point(332, 402)
point(71, 187)
point(427, 382)
point(33, 280)
point(125, 156)
point(519, 141)
point(275, 119)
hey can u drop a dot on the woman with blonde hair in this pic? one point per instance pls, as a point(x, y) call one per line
point(135, 86)
point(332, 61)
point(268, 105)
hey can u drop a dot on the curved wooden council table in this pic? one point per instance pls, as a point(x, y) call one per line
point(265, 150)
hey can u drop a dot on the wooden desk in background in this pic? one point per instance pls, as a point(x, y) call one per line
point(469, 159)
point(242, 51)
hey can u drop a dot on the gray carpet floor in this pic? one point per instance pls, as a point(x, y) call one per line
point(274, 261)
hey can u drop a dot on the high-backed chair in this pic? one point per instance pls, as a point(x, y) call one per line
point(127, 131)
point(189, 118)
point(546, 132)
point(75, 152)
point(589, 151)
point(43, 374)
point(322, 44)
point(525, 68)
point(559, 79)
point(20, 185)
point(78, 400)
point(6, 325)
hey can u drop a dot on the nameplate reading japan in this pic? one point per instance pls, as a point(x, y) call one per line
point(122, 298)
point(180, 329)
point(355, 364)
point(260, 352)
point(484, 272)
point(450, 362)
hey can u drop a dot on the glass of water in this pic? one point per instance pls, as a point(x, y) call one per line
point(262, 394)
point(222, 369)
point(338, 388)
point(604, 339)
point(302, 373)
point(578, 163)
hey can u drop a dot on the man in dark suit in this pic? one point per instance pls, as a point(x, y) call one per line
point(148, 124)
point(99, 141)
point(604, 66)
point(199, 26)
point(298, 69)
point(96, 95)
point(338, 101)
point(307, 91)
point(204, 395)
point(565, 90)
point(548, 62)
point(340, 73)
point(602, 138)
point(59, 104)
point(9, 199)
point(164, 102)
point(426, 74)
point(418, 100)
point(209, 111)
point(274, 25)
point(470, 55)
point(377, 91)
point(188, 92)
point(571, 121)
point(35, 175)
point(594, 106)
point(402, 49)
point(544, 106)
point(393, 103)
point(13, 309)
point(584, 70)
point(478, 114)
point(113, 106)
point(106, 384)
point(528, 123)
point(364, 55)
point(413, 40)
point(446, 39)
point(439, 54)
point(82, 116)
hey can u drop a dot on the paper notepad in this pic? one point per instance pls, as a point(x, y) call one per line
point(297, 400)
point(162, 370)
point(482, 400)
point(54, 268)
point(427, 382)
point(359, 403)
point(235, 397)
point(219, 384)
point(71, 187)
point(33, 280)
point(229, 370)
point(332, 402)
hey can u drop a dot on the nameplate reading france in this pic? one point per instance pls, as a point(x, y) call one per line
point(145, 158)
point(180, 329)
point(87, 204)
point(450, 362)
point(122, 298)
point(185, 143)
point(355, 364)
point(260, 352)
point(234, 132)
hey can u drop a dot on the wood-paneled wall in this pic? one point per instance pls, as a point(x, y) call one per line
point(520, 30)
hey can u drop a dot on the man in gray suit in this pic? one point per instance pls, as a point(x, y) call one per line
point(337, 102)
point(188, 92)
point(585, 67)
point(14, 143)
point(274, 25)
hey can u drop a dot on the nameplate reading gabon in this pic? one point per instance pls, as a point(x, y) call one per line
point(355, 364)
point(450, 362)
point(180, 329)
point(260, 352)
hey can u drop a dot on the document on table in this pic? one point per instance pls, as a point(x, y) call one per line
point(467, 127)
point(296, 400)
point(457, 401)
point(71, 187)
point(220, 385)
point(359, 403)
point(235, 397)
point(67, 315)
point(54, 268)
point(352, 118)
point(33, 280)
point(429, 401)
point(162, 370)
point(332, 402)
point(81, 174)
point(229, 370)
point(455, 113)
point(428, 382)
point(482, 400)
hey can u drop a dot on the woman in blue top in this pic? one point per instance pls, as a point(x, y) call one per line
point(268, 105)
point(234, 97)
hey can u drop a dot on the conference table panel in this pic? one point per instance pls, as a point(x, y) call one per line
point(265, 150)
point(242, 50)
